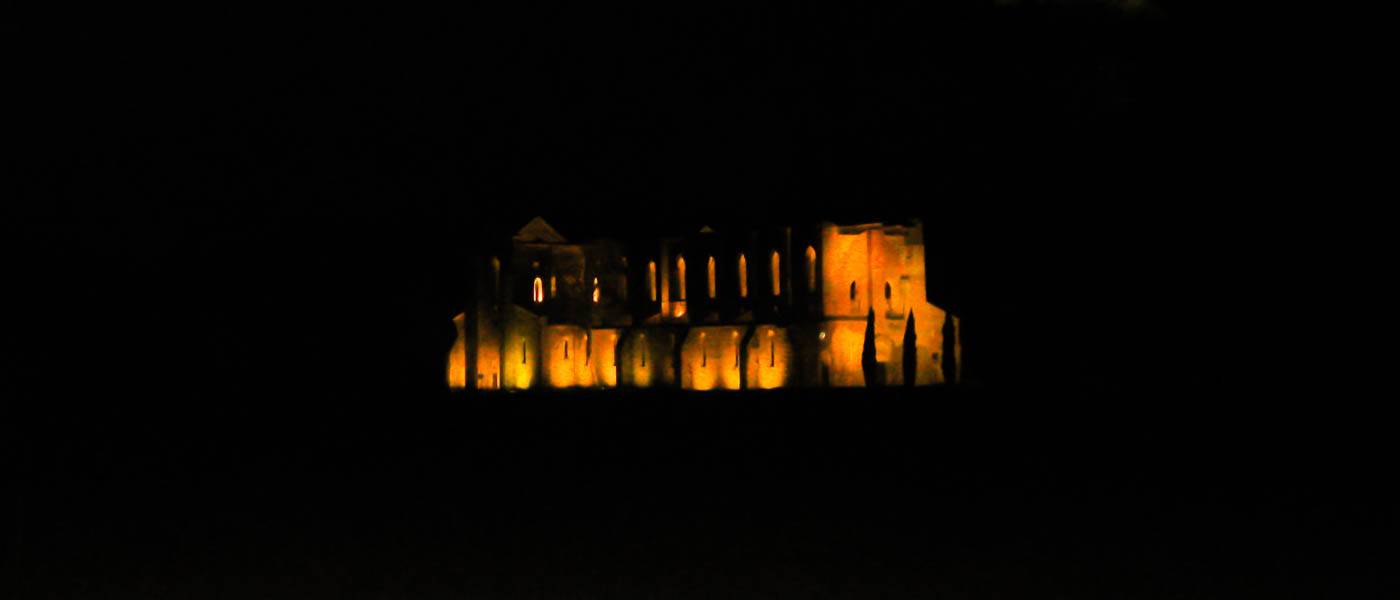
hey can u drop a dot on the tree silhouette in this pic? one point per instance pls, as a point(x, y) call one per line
point(950, 356)
point(911, 352)
point(868, 365)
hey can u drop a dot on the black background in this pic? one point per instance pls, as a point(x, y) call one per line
point(236, 247)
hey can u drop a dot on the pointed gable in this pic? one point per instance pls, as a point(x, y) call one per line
point(539, 231)
point(706, 229)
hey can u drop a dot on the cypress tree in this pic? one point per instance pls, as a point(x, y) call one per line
point(868, 365)
point(911, 352)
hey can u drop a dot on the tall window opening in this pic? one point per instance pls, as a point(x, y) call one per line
point(596, 291)
point(811, 269)
point(773, 268)
point(853, 291)
point(566, 348)
point(537, 291)
point(710, 277)
point(651, 279)
point(743, 277)
point(553, 286)
point(889, 296)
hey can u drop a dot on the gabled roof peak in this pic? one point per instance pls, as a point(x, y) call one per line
point(537, 230)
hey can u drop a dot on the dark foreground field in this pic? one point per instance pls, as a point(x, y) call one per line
point(935, 494)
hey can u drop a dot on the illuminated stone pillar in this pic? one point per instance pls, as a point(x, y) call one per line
point(457, 356)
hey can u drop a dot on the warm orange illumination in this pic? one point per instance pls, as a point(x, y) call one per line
point(518, 371)
point(867, 260)
point(651, 279)
point(840, 356)
point(743, 277)
point(769, 359)
point(710, 276)
point(680, 278)
point(646, 359)
point(502, 345)
point(811, 269)
point(457, 356)
point(898, 305)
point(710, 358)
point(568, 357)
point(773, 268)
point(602, 358)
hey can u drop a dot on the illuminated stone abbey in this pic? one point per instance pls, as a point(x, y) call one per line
point(763, 309)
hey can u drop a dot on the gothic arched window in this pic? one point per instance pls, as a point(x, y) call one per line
point(743, 277)
point(710, 277)
point(773, 268)
point(651, 279)
point(811, 269)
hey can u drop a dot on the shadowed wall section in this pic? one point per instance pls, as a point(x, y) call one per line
point(602, 356)
point(648, 358)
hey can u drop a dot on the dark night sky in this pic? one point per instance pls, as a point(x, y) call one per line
point(260, 199)
point(235, 241)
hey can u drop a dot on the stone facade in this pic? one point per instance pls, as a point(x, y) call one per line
point(760, 309)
